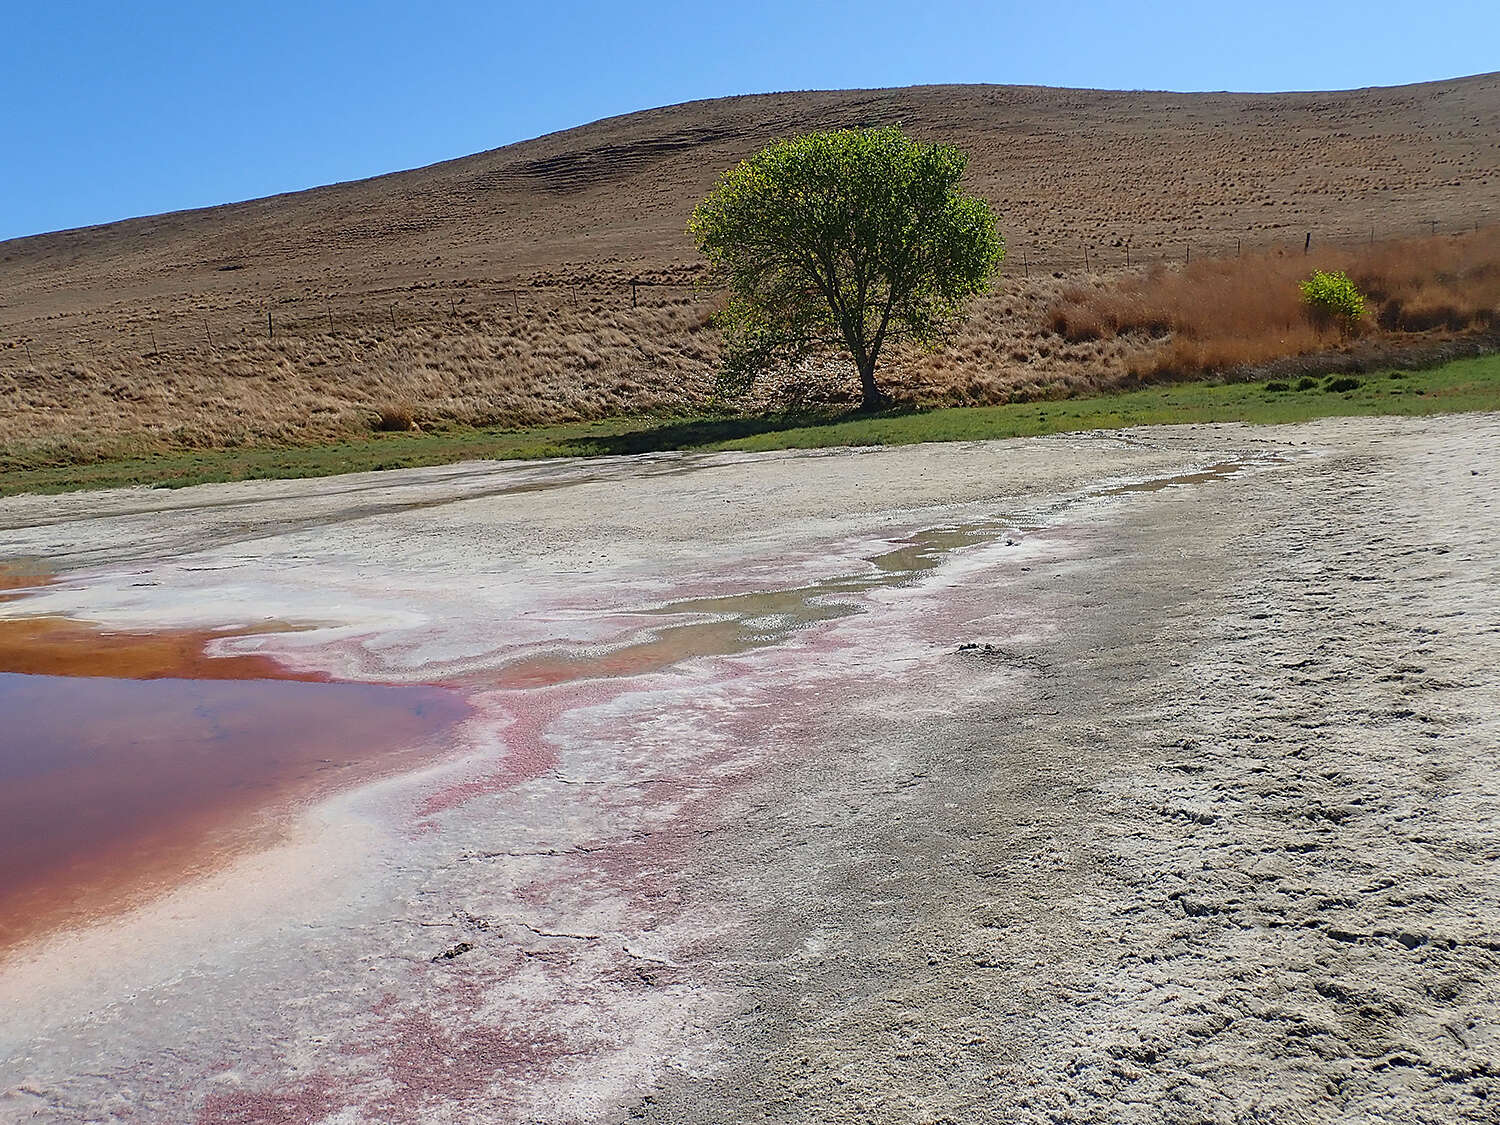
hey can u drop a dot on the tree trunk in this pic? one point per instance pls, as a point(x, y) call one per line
point(870, 396)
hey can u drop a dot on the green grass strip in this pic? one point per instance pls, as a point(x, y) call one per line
point(1464, 385)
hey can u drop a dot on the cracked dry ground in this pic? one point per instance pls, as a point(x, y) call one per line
point(1227, 855)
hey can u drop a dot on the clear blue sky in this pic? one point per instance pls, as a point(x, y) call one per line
point(112, 109)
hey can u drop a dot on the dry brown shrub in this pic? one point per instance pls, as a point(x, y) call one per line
point(396, 418)
point(1224, 313)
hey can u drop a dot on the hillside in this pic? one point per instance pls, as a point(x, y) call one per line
point(496, 288)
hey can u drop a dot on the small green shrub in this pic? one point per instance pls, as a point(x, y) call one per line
point(1277, 386)
point(1341, 383)
point(1306, 383)
point(1332, 299)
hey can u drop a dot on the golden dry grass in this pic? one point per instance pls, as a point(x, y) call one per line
point(1224, 314)
point(542, 359)
point(567, 354)
point(495, 289)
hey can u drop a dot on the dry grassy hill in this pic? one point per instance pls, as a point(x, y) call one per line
point(497, 287)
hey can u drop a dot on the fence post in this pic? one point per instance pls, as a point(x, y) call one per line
point(29, 360)
point(155, 347)
point(1307, 243)
point(1236, 247)
point(270, 326)
point(632, 294)
point(1188, 256)
point(207, 335)
point(1127, 255)
point(1026, 264)
point(392, 310)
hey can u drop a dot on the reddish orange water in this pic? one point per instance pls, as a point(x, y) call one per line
point(131, 761)
point(57, 646)
point(20, 576)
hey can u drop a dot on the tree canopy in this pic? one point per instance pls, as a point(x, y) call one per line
point(844, 240)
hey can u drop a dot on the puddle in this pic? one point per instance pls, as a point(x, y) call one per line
point(1203, 476)
point(741, 622)
point(131, 761)
point(670, 645)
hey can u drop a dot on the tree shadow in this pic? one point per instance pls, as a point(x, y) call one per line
point(697, 432)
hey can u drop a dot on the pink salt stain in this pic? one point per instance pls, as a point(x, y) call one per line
point(465, 1060)
point(429, 1062)
point(528, 752)
point(416, 1062)
point(306, 1101)
point(544, 690)
point(468, 1059)
point(458, 1057)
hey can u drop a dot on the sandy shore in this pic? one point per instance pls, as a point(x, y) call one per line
point(1203, 826)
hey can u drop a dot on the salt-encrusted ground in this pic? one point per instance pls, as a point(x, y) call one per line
point(1205, 829)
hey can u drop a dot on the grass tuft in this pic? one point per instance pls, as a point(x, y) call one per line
point(396, 418)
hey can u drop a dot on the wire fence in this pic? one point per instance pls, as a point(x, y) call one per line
point(1033, 258)
point(186, 330)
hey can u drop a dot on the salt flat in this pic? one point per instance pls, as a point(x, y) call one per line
point(1143, 776)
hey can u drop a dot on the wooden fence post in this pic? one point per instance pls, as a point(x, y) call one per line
point(632, 294)
point(1307, 243)
point(270, 326)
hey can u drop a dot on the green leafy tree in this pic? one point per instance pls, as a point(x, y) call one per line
point(845, 240)
point(1331, 298)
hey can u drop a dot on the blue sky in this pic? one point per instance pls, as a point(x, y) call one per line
point(117, 109)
